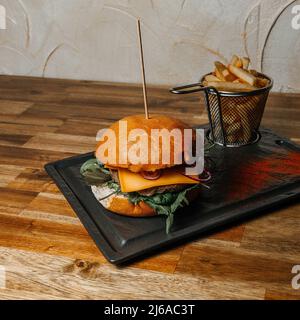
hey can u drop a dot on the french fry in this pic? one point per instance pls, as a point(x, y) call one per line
point(234, 60)
point(239, 63)
point(211, 77)
point(219, 75)
point(262, 82)
point(218, 70)
point(229, 86)
point(223, 73)
point(243, 75)
point(245, 62)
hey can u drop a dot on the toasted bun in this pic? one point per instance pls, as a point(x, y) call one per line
point(119, 204)
point(140, 122)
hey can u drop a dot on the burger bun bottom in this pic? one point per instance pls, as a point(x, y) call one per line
point(121, 205)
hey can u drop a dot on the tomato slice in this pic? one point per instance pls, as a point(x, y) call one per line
point(149, 175)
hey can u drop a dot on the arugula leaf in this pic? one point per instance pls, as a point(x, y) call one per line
point(169, 222)
point(164, 204)
point(113, 185)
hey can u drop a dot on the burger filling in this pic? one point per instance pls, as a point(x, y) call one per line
point(164, 191)
point(151, 191)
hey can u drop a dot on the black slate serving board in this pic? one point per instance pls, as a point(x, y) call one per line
point(246, 181)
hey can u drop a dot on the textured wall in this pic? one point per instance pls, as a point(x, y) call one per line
point(96, 39)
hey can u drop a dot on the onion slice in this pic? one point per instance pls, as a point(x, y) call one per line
point(151, 175)
point(205, 176)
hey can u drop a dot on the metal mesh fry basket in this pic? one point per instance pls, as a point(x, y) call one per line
point(234, 117)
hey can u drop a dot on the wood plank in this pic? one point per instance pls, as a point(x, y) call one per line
point(237, 264)
point(29, 179)
point(81, 279)
point(29, 158)
point(28, 129)
point(13, 140)
point(276, 234)
point(8, 173)
point(51, 204)
point(15, 200)
point(41, 235)
point(282, 294)
point(162, 262)
point(9, 107)
point(83, 127)
point(234, 234)
point(51, 187)
point(61, 143)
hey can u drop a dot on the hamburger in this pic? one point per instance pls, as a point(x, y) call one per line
point(143, 189)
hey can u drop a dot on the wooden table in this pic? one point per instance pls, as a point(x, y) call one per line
point(48, 254)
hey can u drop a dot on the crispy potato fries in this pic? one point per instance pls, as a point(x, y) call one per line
point(223, 73)
point(229, 86)
point(246, 62)
point(235, 77)
point(211, 78)
point(243, 75)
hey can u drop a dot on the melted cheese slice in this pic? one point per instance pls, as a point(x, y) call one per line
point(131, 182)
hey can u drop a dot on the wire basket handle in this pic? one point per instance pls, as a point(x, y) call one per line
point(197, 87)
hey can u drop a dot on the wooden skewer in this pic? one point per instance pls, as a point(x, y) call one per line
point(143, 68)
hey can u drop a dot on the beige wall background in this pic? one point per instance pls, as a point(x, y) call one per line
point(96, 39)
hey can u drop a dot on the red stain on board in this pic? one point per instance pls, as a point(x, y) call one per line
point(257, 175)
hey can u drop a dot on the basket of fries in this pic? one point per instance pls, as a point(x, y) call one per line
point(235, 100)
